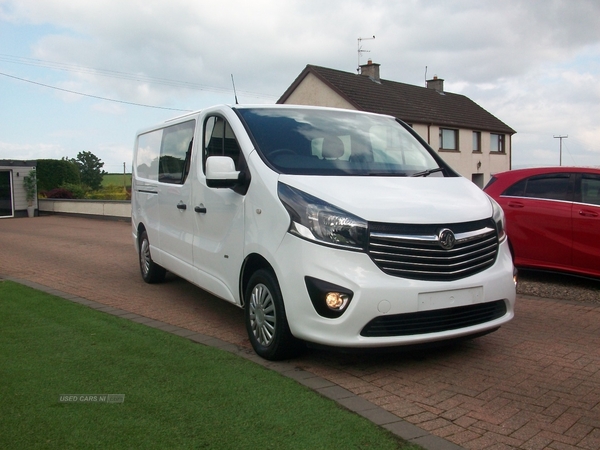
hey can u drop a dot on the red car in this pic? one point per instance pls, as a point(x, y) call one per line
point(552, 217)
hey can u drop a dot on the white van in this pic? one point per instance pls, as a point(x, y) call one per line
point(328, 226)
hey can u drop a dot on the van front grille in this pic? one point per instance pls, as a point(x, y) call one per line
point(417, 251)
point(434, 321)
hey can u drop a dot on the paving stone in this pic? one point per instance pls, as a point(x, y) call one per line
point(533, 384)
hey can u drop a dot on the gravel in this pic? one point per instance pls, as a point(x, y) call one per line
point(558, 286)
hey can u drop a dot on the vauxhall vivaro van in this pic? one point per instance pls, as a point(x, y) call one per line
point(327, 226)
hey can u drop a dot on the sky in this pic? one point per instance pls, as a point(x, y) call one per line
point(86, 75)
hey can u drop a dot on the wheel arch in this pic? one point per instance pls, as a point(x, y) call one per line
point(139, 230)
point(252, 263)
point(512, 250)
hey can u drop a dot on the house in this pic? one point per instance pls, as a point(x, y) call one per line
point(474, 142)
point(13, 199)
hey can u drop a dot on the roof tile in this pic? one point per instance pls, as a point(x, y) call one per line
point(412, 104)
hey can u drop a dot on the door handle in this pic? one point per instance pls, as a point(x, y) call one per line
point(587, 213)
point(200, 209)
point(515, 204)
point(182, 206)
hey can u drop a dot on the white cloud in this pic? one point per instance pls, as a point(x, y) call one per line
point(533, 64)
point(9, 150)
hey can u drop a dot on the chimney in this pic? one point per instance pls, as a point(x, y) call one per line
point(436, 83)
point(370, 70)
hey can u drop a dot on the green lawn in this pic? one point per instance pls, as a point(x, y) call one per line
point(177, 394)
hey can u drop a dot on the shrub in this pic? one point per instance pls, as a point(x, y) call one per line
point(77, 190)
point(110, 192)
point(58, 193)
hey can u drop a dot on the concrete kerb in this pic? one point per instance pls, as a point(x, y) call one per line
point(343, 397)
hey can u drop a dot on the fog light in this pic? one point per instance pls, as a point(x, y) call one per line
point(328, 299)
point(336, 301)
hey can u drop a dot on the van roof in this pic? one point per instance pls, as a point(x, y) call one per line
point(262, 106)
point(191, 113)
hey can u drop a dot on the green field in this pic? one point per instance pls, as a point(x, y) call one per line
point(116, 179)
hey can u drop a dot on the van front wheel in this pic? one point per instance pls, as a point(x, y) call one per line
point(266, 321)
point(151, 272)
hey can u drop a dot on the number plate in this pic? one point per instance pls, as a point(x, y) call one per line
point(449, 299)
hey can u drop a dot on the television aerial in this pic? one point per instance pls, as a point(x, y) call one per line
point(360, 50)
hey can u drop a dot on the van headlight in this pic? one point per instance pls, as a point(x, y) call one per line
point(498, 216)
point(319, 221)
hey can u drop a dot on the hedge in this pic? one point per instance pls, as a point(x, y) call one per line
point(53, 173)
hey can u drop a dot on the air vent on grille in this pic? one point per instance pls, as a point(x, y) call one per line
point(434, 321)
point(416, 252)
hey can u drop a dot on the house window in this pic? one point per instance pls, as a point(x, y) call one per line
point(448, 139)
point(497, 143)
point(476, 141)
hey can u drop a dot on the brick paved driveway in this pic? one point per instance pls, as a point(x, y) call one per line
point(533, 384)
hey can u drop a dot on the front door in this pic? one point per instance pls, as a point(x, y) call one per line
point(219, 216)
point(539, 221)
point(6, 203)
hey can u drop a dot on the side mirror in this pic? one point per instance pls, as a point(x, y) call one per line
point(221, 173)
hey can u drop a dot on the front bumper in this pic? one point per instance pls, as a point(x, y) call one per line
point(384, 298)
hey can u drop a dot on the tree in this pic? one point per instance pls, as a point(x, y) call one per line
point(90, 169)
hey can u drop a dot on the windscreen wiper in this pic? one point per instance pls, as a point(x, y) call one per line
point(387, 174)
point(427, 172)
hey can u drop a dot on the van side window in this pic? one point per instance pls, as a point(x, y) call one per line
point(219, 140)
point(176, 152)
point(147, 155)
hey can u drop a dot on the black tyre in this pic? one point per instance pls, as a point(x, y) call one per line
point(266, 321)
point(151, 272)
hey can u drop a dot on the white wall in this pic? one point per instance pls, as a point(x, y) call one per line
point(465, 161)
point(312, 91)
point(105, 208)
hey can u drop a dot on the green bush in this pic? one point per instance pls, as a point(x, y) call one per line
point(77, 190)
point(53, 173)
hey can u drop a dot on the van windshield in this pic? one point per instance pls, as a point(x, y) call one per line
point(330, 142)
